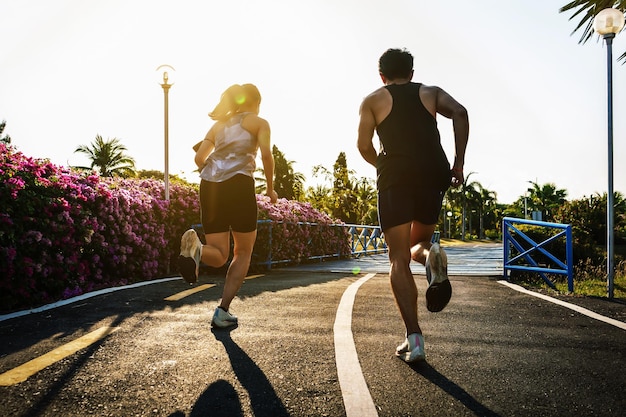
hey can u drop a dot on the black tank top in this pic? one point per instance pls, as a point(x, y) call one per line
point(411, 151)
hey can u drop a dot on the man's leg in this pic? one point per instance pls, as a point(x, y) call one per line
point(405, 291)
point(421, 235)
point(400, 276)
point(439, 289)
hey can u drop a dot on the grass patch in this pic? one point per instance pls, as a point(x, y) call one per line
point(589, 280)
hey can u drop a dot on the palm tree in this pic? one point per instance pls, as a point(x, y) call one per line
point(287, 183)
point(468, 193)
point(108, 157)
point(366, 209)
point(487, 200)
point(588, 11)
point(546, 199)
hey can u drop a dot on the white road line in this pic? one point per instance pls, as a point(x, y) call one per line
point(83, 297)
point(574, 307)
point(356, 396)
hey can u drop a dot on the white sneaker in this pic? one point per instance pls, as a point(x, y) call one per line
point(412, 350)
point(439, 289)
point(402, 348)
point(223, 319)
point(189, 258)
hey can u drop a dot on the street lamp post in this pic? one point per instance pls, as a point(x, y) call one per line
point(166, 88)
point(608, 23)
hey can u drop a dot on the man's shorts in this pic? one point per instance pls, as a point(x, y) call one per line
point(228, 205)
point(400, 204)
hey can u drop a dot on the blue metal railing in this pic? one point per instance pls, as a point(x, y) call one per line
point(366, 240)
point(518, 247)
point(363, 240)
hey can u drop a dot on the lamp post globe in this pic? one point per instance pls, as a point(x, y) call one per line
point(608, 21)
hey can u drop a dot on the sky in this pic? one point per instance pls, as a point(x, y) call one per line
point(537, 99)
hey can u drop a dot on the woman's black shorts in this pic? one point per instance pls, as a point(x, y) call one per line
point(228, 205)
point(403, 203)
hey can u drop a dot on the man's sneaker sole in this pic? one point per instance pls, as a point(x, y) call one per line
point(439, 289)
point(438, 295)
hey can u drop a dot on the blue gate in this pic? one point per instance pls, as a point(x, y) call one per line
point(521, 251)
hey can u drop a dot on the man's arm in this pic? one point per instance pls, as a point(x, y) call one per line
point(452, 109)
point(367, 125)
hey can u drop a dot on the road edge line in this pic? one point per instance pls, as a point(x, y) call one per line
point(357, 399)
point(578, 309)
point(83, 297)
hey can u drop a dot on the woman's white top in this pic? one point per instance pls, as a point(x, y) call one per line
point(234, 153)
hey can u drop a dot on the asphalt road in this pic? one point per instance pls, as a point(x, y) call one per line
point(493, 351)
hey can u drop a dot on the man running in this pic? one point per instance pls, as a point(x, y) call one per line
point(413, 174)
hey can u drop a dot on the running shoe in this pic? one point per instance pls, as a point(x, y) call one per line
point(412, 350)
point(189, 258)
point(403, 348)
point(439, 289)
point(223, 319)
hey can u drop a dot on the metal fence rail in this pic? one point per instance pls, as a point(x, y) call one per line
point(366, 240)
point(363, 240)
point(519, 247)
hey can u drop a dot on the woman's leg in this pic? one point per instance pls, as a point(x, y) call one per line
point(238, 269)
point(216, 250)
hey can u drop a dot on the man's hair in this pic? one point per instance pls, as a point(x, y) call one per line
point(395, 63)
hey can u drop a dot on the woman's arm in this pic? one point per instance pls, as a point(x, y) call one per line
point(263, 136)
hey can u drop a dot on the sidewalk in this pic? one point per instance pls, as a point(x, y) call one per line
point(466, 259)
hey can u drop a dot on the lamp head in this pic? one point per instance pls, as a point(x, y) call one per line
point(167, 72)
point(608, 21)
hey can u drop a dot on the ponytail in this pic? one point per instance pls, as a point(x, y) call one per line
point(230, 102)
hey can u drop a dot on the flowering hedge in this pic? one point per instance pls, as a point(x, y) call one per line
point(63, 233)
point(296, 232)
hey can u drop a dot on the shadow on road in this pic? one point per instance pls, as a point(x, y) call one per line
point(220, 399)
point(453, 390)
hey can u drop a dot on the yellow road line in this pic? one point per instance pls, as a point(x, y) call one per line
point(187, 293)
point(254, 276)
point(26, 370)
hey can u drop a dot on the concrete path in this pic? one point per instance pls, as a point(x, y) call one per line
point(469, 259)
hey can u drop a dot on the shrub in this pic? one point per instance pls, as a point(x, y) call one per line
point(63, 233)
point(298, 232)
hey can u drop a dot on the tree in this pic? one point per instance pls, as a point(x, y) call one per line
point(546, 198)
point(588, 11)
point(344, 200)
point(6, 138)
point(287, 183)
point(108, 157)
point(366, 208)
point(487, 205)
point(350, 199)
point(468, 194)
